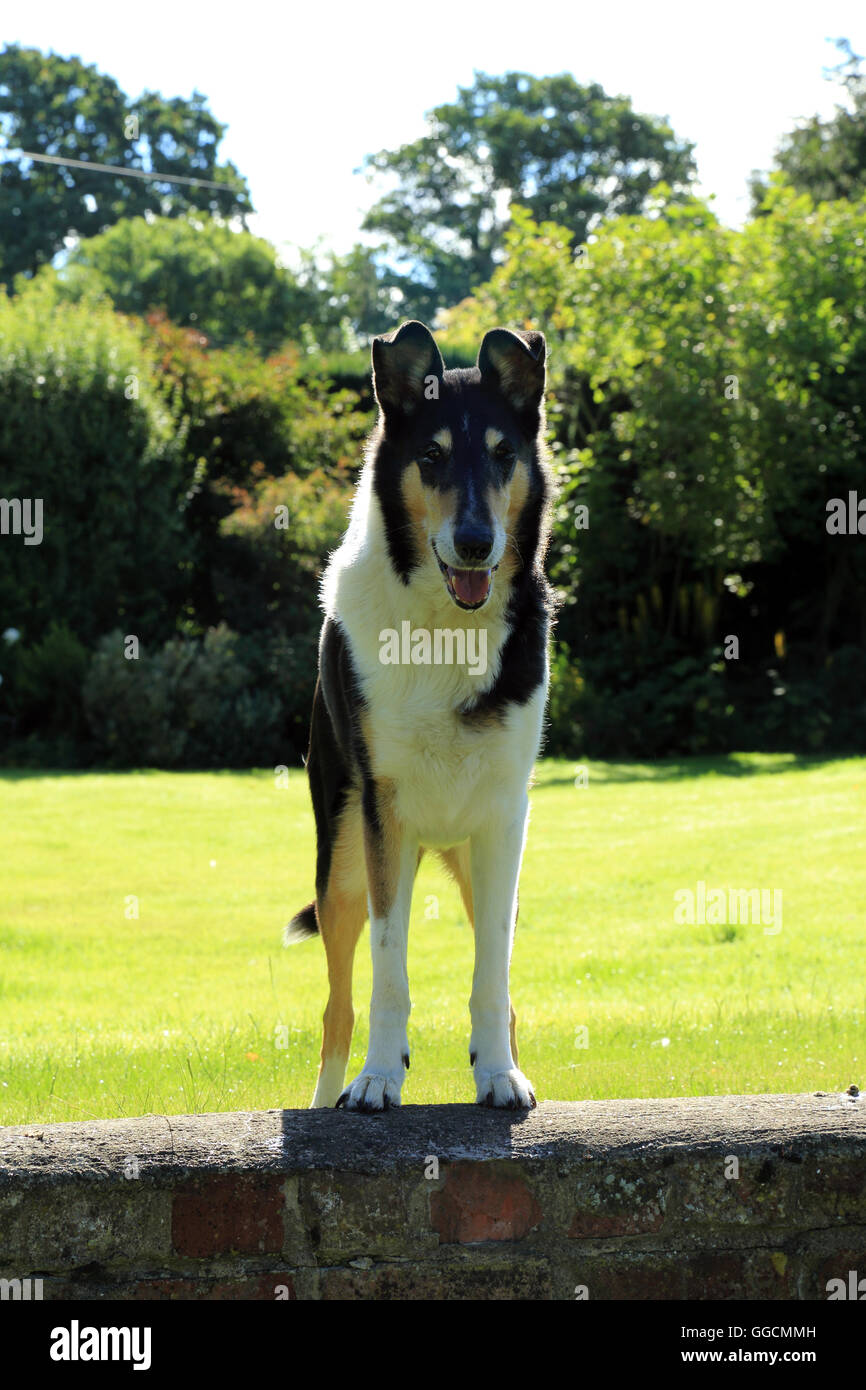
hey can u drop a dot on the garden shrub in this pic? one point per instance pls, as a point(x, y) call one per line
point(191, 702)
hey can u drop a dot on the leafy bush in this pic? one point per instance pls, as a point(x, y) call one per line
point(87, 428)
point(223, 283)
point(275, 542)
point(564, 736)
point(48, 682)
point(706, 402)
point(190, 703)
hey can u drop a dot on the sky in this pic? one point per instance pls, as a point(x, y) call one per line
point(307, 90)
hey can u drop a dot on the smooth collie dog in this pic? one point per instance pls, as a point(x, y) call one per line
point(428, 712)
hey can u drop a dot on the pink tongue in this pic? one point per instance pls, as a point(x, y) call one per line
point(470, 586)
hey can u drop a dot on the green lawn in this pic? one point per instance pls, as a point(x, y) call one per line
point(195, 1005)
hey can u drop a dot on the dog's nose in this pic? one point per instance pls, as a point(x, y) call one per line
point(473, 544)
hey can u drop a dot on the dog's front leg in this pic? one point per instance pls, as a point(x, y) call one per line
point(392, 859)
point(495, 858)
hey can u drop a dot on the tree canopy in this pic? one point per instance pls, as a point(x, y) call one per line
point(568, 153)
point(226, 284)
point(68, 109)
point(827, 158)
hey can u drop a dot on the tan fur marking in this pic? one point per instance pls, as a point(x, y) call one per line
point(518, 491)
point(506, 504)
point(513, 1031)
point(347, 875)
point(492, 437)
point(456, 861)
point(427, 506)
point(342, 913)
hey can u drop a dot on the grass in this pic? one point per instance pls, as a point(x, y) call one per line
point(195, 1005)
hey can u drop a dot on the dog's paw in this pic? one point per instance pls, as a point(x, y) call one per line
point(371, 1091)
point(506, 1090)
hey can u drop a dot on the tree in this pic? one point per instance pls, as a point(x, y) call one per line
point(827, 159)
point(355, 300)
point(226, 284)
point(706, 390)
point(568, 153)
point(802, 345)
point(106, 454)
point(65, 108)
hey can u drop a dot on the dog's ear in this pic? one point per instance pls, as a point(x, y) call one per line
point(407, 368)
point(514, 364)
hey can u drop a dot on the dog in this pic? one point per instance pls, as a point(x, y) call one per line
point(447, 534)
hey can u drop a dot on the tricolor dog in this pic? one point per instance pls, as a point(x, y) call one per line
point(447, 534)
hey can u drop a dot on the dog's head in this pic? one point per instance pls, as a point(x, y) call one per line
point(458, 466)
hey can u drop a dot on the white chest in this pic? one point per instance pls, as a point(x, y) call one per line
point(450, 775)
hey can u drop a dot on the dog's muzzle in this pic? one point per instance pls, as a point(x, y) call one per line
point(469, 588)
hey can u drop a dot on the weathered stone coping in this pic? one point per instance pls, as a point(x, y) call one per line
point(723, 1197)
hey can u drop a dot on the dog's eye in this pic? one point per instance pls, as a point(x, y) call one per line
point(433, 453)
point(503, 451)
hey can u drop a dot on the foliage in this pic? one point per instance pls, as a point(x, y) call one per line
point(827, 158)
point(225, 284)
point(160, 465)
point(242, 412)
point(48, 681)
point(65, 108)
point(88, 429)
point(190, 703)
point(705, 405)
point(802, 340)
point(248, 421)
point(350, 296)
point(568, 153)
point(277, 536)
point(707, 391)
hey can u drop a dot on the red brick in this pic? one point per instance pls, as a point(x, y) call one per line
point(718, 1277)
point(228, 1215)
point(480, 1202)
point(632, 1278)
point(847, 1175)
point(837, 1188)
point(585, 1225)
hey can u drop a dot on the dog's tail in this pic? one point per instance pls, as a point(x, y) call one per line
point(304, 923)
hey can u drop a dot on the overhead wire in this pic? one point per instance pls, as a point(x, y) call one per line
point(117, 169)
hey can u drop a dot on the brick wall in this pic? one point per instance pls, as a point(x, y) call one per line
point(714, 1198)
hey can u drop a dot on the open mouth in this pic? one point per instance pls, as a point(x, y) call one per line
point(468, 588)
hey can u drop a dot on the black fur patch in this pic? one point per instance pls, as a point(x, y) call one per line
point(335, 738)
point(523, 655)
point(387, 474)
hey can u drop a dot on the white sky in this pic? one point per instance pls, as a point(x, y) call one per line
point(307, 90)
